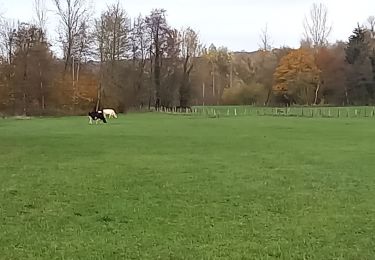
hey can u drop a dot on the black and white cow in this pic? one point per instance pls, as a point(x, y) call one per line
point(96, 116)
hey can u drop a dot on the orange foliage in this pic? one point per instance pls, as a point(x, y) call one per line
point(298, 77)
point(87, 88)
point(81, 95)
point(297, 66)
point(331, 62)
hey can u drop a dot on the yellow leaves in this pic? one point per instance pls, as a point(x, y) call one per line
point(296, 68)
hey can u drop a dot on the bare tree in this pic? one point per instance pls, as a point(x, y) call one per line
point(28, 39)
point(157, 27)
point(114, 25)
point(371, 24)
point(190, 49)
point(7, 46)
point(7, 39)
point(40, 10)
point(171, 68)
point(317, 29)
point(265, 43)
point(73, 14)
point(140, 51)
point(212, 60)
point(83, 47)
point(113, 39)
point(41, 21)
point(100, 35)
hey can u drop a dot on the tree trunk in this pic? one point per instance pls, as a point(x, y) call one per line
point(213, 81)
point(24, 104)
point(307, 96)
point(74, 87)
point(78, 69)
point(67, 58)
point(25, 76)
point(316, 94)
point(98, 97)
point(185, 88)
point(268, 97)
point(347, 96)
point(41, 88)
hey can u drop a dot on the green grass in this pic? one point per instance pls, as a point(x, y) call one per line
point(154, 186)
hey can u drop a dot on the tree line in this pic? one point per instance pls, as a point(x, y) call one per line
point(139, 63)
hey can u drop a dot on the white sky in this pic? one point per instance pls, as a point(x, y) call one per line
point(235, 24)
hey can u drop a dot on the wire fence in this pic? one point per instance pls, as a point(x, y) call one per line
point(309, 112)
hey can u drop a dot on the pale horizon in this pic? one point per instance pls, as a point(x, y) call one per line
point(236, 25)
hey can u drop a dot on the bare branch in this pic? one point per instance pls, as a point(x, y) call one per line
point(371, 24)
point(7, 39)
point(316, 25)
point(265, 39)
point(41, 14)
point(73, 15)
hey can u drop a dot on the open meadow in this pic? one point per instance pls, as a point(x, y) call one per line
point(158, 186)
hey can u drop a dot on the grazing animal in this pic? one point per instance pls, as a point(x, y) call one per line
point(96, 116)
point(109, 112)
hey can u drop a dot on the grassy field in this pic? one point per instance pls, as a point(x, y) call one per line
point(155, 186)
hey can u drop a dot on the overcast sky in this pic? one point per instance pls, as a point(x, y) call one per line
point(232, 23)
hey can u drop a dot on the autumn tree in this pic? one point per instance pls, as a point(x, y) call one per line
point(220, 61)
point(316, 25)
point(297, 78)
point(239, 94)
point(265, 65)
point(331, 63)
